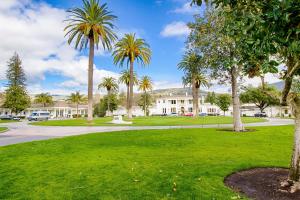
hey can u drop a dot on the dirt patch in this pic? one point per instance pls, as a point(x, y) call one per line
point(261, 184)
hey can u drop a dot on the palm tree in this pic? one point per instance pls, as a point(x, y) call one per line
point(191, 65)
point(130, 49)
point(110, 84)
point(125, 79)
point(77, 99)
point(44, 98)
point(145, 85)
point(92, 24)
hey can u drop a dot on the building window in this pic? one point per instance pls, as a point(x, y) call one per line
point(211, 110)
point(182, 101)
point(164, 110)
point(190, 101)
point(164, 101)
point(190, 109)
point(173, 110)
point(173, 101)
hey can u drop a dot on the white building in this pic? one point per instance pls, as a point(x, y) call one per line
point(60, 109)
point(182, 105)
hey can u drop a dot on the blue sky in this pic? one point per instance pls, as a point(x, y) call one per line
point(147, 18)
point(34, 29)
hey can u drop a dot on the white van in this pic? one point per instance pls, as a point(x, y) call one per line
point(39, 116)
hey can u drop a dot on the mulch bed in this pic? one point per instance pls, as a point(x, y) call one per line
point(261, 184)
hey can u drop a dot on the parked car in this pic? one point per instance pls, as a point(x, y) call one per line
point(173, 114)
point(10, 117)
point(203, 114)
point(188, 114)
point(260, 114)
point(39, 116)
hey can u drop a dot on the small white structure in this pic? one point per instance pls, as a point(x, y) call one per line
point(119, 120)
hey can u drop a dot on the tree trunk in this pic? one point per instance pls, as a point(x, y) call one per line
point(127, 98)
point(237, 122)
point(130, 91)
point(294, 173)
point(145, 109)
point(108, 103)
point(90, 80)
point(195, 98)
point(285, 92)
point(262, 77)
point(77, 110)
point(196, 112)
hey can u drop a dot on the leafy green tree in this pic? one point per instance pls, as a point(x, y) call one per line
point(108, 102)
point(130, 49)
point(111, 85)
point(218, 43)
point(93, 25)
point(271, 28)
point(262, 97)
point(211, 98)
point(223, 101)
point(44, 99)
point(145, 102)
point(16, 97)
point(77, 99)
point(145, 85)
point(193, 76)
point(125, 79)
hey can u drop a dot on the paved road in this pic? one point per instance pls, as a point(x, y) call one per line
point(20, 132)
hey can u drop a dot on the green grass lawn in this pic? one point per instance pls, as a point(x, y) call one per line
point(2, 129)
point(148, 164)
point(150, 121)
point(7, 121)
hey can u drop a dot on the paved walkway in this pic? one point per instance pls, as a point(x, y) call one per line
point(20, 132)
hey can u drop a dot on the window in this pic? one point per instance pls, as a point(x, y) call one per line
point(173, 110)
point(164, 110)
point(164, 101)
point(173, 101)
point(190, 101)
point(182, 101)
point(190, 109)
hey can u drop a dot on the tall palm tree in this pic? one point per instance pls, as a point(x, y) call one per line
point(125, 79)
point(110, 84)
point(193, 76)
point(44, 98)
point(130, 49)
point(93, 25)
point(77, 99)
point(145, 85)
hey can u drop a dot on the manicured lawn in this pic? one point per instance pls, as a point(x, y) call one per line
point(150, 164)
point(150, 121)
point(2, 129)
point(7, 121)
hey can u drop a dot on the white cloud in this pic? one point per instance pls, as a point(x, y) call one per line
point(187, 9)
point(175, 29)
point(36, 32)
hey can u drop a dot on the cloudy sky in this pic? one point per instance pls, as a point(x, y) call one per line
point(34, 29)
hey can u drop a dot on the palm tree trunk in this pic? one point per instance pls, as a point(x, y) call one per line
point(197, 102)
point(90, 80)
point(294, 173)
point(108, 102)
point(145, 109)
point(237, 122)
point(130, 91)
point(77, 110)
point(195, 98)
point(127, 98)
point(262, 77)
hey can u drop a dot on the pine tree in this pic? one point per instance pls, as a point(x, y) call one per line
point(16, 97)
